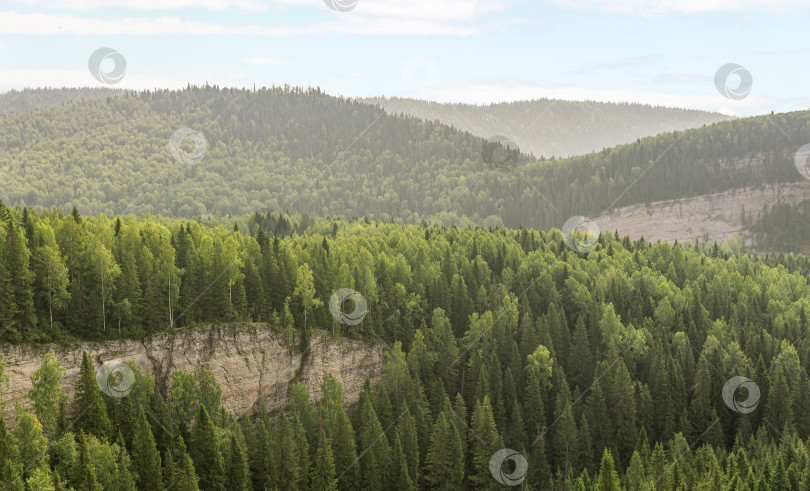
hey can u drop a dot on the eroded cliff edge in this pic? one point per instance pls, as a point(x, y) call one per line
point(250, 362)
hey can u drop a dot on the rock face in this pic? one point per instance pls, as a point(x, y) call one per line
point(250, 362)
point(711, 217)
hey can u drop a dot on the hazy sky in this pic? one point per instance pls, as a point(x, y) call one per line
point(652, 51)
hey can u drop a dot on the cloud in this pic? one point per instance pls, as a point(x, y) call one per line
point(436, 10)
point(634, 62)
point(216, 5)
point(266, 61)
point(682, 78)
point(660, 8)
point(49, 24)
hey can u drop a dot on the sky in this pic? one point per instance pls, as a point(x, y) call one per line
point(662, 52)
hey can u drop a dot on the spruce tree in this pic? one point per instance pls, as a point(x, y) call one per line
point(444, 467)
point(187, 480)
point(236, 474)
point(205, 452)
point(170, 474)
point(323, 469)
point(90, 410)
point(779, 413)
point(84, 474)
point(623, 405)
point(581, 365)
point(145, 457)
point(608, 479)
point(406, 431)
point(16, 282)
point(400, 475)
point(375, 459)
point(285, 464)
point(634, 477)
point(484, 441)
point(125, 479)
point(301, 453)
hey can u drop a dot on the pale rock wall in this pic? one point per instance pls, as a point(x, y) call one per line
point(714, 216)
point(250, 362)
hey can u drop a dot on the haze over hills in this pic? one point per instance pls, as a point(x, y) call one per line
point(20, 101)
point(554, 127)
point(303, 151)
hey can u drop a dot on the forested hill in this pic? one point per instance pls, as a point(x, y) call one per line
point(608, 368)
point(555, 127)
point(279, 148)
point(301, 151)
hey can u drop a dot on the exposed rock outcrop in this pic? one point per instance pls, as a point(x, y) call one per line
point(250, 362)
point(709, 218)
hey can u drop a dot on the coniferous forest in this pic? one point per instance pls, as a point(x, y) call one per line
point(607, 370)
point(295, 150)
point(389, 245)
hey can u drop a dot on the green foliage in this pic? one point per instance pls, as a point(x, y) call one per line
point(601, 370)
point(207, 458)
point(445, 462)
point(90, 412)
point(145, 457)
point(30, 441)
point(237, 477)
point(608, 479)
point(46, 393)
point(281, 137)
point(323, 470)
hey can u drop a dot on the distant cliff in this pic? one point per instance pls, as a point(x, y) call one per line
point(249, 361)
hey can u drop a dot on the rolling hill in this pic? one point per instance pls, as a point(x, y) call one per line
point(306, 152)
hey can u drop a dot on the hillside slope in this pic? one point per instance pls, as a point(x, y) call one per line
point(304, 152)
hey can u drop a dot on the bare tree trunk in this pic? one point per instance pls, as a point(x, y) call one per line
point(103, 305)
point(50, 302)
point(171, 316)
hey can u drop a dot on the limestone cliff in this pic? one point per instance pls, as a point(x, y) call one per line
point(707, 218)
point(250, 362)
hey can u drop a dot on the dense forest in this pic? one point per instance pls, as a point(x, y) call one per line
point(301, 151)
point(555, 127)
point(604, 370)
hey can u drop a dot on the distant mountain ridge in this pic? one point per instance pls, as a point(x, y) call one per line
point(553, 127)
point(26, 100)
